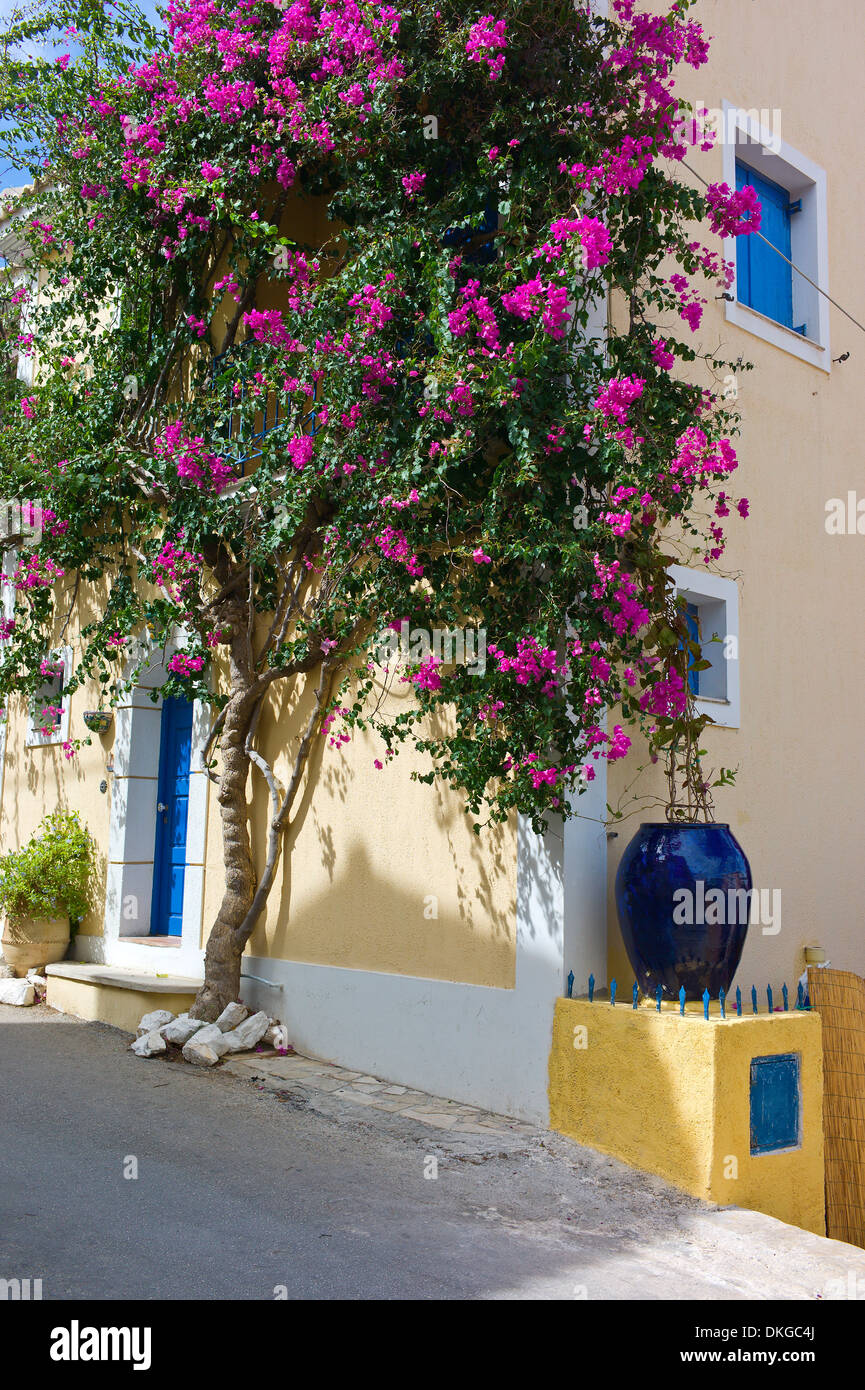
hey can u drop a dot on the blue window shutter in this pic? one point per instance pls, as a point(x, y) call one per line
point(764, 279)
point(743, 249)
point(693, 620)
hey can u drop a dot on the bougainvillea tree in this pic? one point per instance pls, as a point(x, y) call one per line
point(278, 453)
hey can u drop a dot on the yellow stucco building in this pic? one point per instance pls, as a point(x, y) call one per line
point(398, 942)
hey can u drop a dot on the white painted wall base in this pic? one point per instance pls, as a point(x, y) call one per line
point(483, 1046)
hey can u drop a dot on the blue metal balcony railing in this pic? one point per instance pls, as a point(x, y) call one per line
point(242, 432)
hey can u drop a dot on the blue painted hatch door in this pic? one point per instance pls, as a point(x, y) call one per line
point(169, 859)
point(764, 280)
point(776, 1103)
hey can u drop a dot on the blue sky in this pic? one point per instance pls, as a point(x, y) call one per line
point(10, 176)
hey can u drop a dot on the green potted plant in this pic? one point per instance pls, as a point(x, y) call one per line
point(45, 890)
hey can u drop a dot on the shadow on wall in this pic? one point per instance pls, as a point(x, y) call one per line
point(382, 873)
point(365, 921)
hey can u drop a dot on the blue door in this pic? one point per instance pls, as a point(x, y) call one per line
point(172, 798)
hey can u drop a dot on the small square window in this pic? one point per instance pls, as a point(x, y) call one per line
point(48, 711)
point(711, 608)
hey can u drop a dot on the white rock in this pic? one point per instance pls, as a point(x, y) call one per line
point(36, 979)
point(231, 1016)
point(247, 1034)
point(152, 1022)
point(212, 1036)
point(17, 992)
point(277, 1036)
point(149, 1045)
point(7, 971)
point(181, 1029)
point(199, 1054)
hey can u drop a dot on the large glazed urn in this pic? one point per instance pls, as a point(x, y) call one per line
point(683, 900)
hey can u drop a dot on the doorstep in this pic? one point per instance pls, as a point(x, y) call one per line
point(112, 994)
point(161, 943)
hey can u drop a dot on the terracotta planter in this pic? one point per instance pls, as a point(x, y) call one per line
point(35, 941)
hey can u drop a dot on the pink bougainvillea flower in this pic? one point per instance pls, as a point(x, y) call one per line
point(183, 665)
point(661, 355)
point(413, 183)
point(486, 39)
point(733, 213)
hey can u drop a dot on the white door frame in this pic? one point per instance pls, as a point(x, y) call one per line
point(132, 838)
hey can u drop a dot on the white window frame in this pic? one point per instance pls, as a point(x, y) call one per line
point(8, 565)
point(746, 139)
point(34, 737)
point(718, 600)
point(26, 364)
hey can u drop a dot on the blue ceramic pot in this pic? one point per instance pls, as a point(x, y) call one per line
point(682, 911)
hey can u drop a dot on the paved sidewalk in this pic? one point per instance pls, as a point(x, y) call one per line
point(352, 1095)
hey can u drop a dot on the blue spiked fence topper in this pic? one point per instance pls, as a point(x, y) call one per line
point(706, 998)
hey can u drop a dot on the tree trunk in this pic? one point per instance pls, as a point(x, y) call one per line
point(225, 945)
point(244, 899)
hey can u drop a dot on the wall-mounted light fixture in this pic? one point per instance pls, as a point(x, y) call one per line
point(815, 955)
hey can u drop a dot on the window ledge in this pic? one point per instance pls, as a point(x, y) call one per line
point(779, 335)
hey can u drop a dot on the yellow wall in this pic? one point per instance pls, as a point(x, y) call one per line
point(105, 1003)
point(671, 1095)
point(41, 779)
point(799, 803)
point(385, 874)
point(373, 856)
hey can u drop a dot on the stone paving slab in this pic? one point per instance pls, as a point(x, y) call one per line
point(347, 1095)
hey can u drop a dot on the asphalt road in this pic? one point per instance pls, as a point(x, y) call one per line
point(238, 1195)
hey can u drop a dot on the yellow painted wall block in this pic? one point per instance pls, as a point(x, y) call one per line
point(671, 1095)
point(122, 1008)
